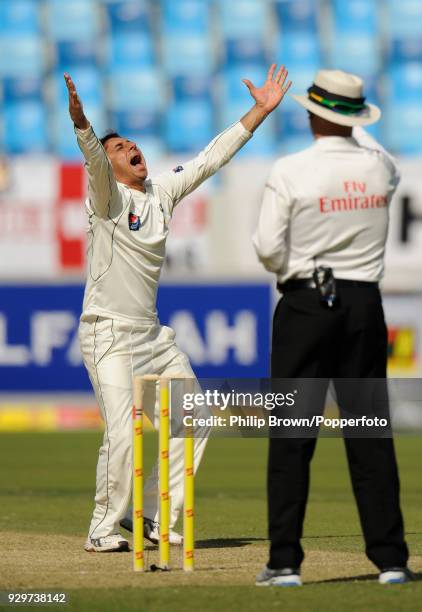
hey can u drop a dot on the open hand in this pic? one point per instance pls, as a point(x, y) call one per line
point(269, 96)
point(76, 110)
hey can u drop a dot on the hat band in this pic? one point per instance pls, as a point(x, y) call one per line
point(336, 103)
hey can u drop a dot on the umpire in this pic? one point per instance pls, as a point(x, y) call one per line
point(322, 230)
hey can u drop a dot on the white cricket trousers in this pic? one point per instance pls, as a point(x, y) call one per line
point(114, 352)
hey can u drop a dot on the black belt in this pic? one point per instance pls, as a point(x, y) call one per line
point(294, 284)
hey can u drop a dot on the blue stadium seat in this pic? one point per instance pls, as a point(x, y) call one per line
point(291, 118)
point(408, 49)
point(129, 49)
point(98, 118)
point(21, 55)
point(233, 89)
point(129, 16)
point(187, 55)
point(372, 90)
point(64, 139)
point(243, 18)
point(357, 54)
point(297, 49)
point(151, 146)
point(88, 83)
point(293, 123)
point(293, 131)
point(136, 89)
point(142, 128)
point(403, 117)
point(357, 16)
point(245, 50)
point(20, 89)
point(19, 16)
point(404, 18)
point(73, 20)
point(404, 127)
point(128, 122)
point(405, 83)
point(76, 53)
point(189, 87)
point(189, 126)
point(297, 15)
point(376, 131)
point(263, 144)
point(302, 78)
point(185, 17)
point(263, 141)
point(27, 131)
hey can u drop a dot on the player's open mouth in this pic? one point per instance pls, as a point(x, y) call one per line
point(136, 161)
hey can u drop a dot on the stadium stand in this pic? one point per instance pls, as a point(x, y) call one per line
point(404, 76)
point(29, 121)
point(170, 72)
point(21, 16)
point(127, 16)
point(76, 20)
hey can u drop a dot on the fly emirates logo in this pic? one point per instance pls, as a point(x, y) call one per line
point(354, 197)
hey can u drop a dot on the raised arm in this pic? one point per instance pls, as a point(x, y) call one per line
point(102, 185)
point(267, 97)
point(187, 177)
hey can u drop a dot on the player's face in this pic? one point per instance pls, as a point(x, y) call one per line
point(127, 160)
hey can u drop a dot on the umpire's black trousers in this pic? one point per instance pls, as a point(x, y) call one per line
point(349, 341)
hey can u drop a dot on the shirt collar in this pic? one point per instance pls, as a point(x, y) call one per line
point(335, 142)
point(136, 192)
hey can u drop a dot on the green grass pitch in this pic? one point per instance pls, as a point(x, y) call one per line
point(46, 497)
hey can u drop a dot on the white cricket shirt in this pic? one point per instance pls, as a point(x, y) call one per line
point(128, 229)
point(328, 205)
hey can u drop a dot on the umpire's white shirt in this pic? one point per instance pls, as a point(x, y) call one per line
point(128, 228)
point(328, 205)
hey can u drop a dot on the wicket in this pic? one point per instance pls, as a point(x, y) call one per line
point(164, 471)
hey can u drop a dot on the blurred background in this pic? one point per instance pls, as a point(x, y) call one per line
point(167, 73)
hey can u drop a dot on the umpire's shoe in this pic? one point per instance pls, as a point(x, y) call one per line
point(279, 577)
point(151, 531)
point(395, 575)
point(111, 543)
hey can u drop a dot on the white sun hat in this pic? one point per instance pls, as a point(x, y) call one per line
point(337, 96)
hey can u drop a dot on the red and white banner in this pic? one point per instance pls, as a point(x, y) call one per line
point(28, 190)
point(43, 223)
point(70, 218)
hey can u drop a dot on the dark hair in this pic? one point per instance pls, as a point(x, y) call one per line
point(108, 136)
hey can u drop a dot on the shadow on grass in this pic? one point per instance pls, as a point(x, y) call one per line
point(326, 537)
point(348, 535)
point(217, 543)
point(361, 578)
point(226, 542)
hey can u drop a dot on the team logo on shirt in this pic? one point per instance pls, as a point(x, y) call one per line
point(178, 169)
point(134, 222)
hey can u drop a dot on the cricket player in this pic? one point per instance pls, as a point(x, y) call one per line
point(120, 334)
point(323, 230)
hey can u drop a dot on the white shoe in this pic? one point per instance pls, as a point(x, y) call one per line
point(111, 543)
point(151, 531)
point(279, 577)
point(395, 575)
